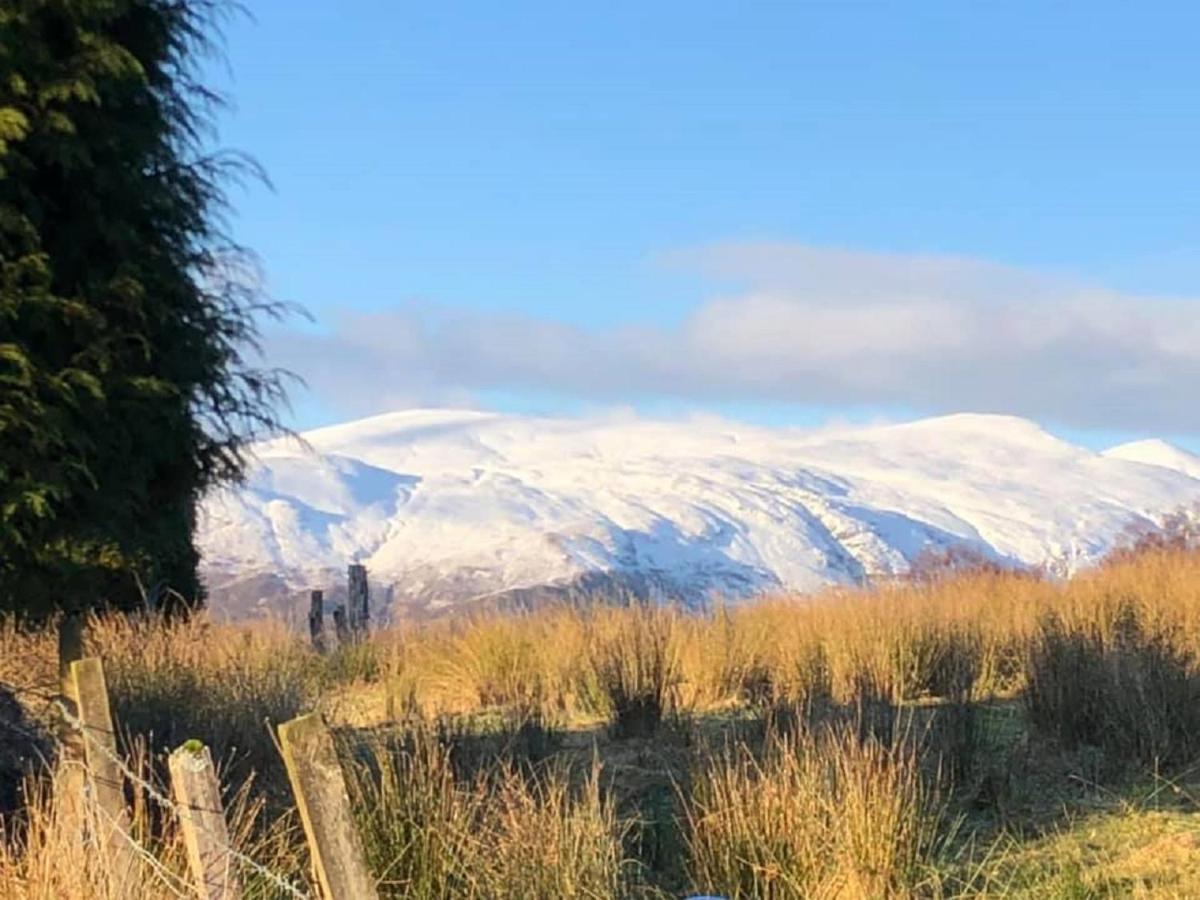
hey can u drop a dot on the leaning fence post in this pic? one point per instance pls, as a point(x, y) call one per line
point(320, 790)
point(316, 620)
point(202, 821)
point(71, 770)
point(104, 770)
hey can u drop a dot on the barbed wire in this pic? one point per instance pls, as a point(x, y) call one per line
point(169, 878)
point(170, 805)
point(159, 798)
point(162, 871)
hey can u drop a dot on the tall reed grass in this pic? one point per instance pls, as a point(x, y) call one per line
point(832, 742)
point(823, 813)
point(501, 831)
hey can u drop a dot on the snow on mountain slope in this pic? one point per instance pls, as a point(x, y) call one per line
point(445, 507)
point(1158, 453)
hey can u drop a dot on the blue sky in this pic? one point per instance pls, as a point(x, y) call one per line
point(655, 186)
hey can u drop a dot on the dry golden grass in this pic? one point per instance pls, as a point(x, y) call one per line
point(889, 698)
point(42, 855)
point(823, 814)
point(431, 833)
point(916, 640)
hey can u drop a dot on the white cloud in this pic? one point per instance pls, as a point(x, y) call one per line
point(805, 325)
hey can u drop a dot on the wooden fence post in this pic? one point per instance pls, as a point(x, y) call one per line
point(316, 620)
point(320, 790)
point(202, 820)
point(104, 773)
point(358, 599)
point(70, 775)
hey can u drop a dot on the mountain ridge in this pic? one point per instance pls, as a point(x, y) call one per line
point(448, 507)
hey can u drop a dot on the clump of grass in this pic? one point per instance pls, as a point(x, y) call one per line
point(936, 660)
point(502, 833)
point(634, 661)
point(529, 663)
point(218, 683)
point(801, 681)
point(724, 659)
point(498, 663)
point(550, 839)
point(412, 817)
point(823, 813)
point(358, 661)
point(1118, 681)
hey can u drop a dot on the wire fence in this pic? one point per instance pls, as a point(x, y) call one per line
point(37, 739)
point(174, 883)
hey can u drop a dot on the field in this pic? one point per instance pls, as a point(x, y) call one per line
point(971, 735)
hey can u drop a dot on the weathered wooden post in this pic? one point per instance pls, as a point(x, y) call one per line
point(358, 599)
point(320, 790)
point(103, 768)
point(316, 620)
point(340, 626)
point(70, 771)
point(70, 647)
point(202, 821)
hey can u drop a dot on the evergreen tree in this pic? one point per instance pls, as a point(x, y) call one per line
point(125, 312)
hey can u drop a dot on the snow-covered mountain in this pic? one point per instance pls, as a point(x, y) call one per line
point(1158, 453)
point(448, 507)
